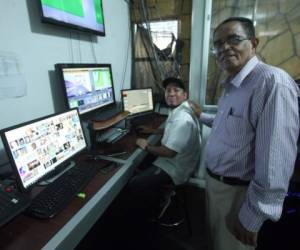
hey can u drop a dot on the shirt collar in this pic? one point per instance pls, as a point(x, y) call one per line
point(239, 78)
point(183, 105)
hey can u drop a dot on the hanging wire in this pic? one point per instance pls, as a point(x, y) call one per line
point(161, 69)
point(4, 163)
point(71, 48)
point(175, 65)
point(79, 49)
point(128, 47)
point(93, 48)
point(143, 11)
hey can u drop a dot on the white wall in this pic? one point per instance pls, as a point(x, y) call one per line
point(39, 46)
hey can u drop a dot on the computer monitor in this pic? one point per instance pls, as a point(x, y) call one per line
point(137, 101)
point(87, 86)
point(37, 148)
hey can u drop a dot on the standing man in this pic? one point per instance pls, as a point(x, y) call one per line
point(251, 151)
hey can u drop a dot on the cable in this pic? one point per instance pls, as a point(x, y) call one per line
point(71, 47)
point(93, 49)
point(144, 13)
point(78, 34)
point(126, 56)
point(160, 67)
point(175, 65)
point(4, 164)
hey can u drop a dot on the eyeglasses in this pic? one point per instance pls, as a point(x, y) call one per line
point(232, 40)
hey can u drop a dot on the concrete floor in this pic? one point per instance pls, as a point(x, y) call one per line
point(114, 232)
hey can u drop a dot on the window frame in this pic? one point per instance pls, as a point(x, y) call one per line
point(205, 54)
point(201, 21)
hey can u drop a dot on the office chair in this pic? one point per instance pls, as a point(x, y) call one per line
point(176, 196)
point(174, 210)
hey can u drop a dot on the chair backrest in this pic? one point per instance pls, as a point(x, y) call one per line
point(199, 177)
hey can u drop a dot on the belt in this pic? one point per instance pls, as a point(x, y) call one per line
point(228, 180)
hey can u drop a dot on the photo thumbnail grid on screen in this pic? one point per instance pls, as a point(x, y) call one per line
point(39, 147)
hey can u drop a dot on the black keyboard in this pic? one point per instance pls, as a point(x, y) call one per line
point(117, 136)
point(58, 194)
point(11, 205)
point(142, 119)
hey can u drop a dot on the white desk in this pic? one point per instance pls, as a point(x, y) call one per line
point(78, 226)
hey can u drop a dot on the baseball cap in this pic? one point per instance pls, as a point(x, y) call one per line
point(175, 81)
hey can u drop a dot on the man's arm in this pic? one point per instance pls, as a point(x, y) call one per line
point(275, 153)
point(162, 151)
point(205, 118)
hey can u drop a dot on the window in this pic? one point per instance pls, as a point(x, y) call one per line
point(277, 26)
point(162, 33)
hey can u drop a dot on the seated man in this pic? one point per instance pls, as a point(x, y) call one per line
point(178, 154)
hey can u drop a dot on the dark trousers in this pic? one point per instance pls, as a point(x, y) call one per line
point(125, 224)
point(133, 208)
point(145, 190)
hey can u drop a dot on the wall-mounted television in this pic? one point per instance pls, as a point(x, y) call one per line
point(84, 15)
point(87, 87)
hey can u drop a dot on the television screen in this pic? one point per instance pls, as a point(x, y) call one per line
point(38, 147)
point(137, 101)
point(87, 86)
point(85, 15)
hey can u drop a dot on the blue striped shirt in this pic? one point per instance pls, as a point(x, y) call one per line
point(254, 137)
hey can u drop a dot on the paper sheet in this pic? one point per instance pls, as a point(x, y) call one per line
point(12, 80)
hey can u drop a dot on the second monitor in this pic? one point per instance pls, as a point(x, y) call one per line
point(87, 87)
point(137, 101)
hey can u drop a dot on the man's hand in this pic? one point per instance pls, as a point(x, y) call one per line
point(142, 143)
point(243, 235)
point(195, 107)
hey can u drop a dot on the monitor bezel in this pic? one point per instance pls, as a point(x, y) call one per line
point(59, 70)
point(62, 24)
point(59, 167)
point(140, 113)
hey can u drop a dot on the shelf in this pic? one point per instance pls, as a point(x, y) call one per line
point(99, 125)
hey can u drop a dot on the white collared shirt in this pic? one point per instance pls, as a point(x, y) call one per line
point(181, 134)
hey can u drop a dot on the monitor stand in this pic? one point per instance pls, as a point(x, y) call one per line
point(57, 173)
point(95, 127)
point(5, 170)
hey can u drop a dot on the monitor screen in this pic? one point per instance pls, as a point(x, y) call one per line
point(137, 101)
point(87, 86)
point(85, 15)
point(38, 147)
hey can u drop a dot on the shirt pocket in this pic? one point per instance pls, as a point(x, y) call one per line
point(238, 131)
